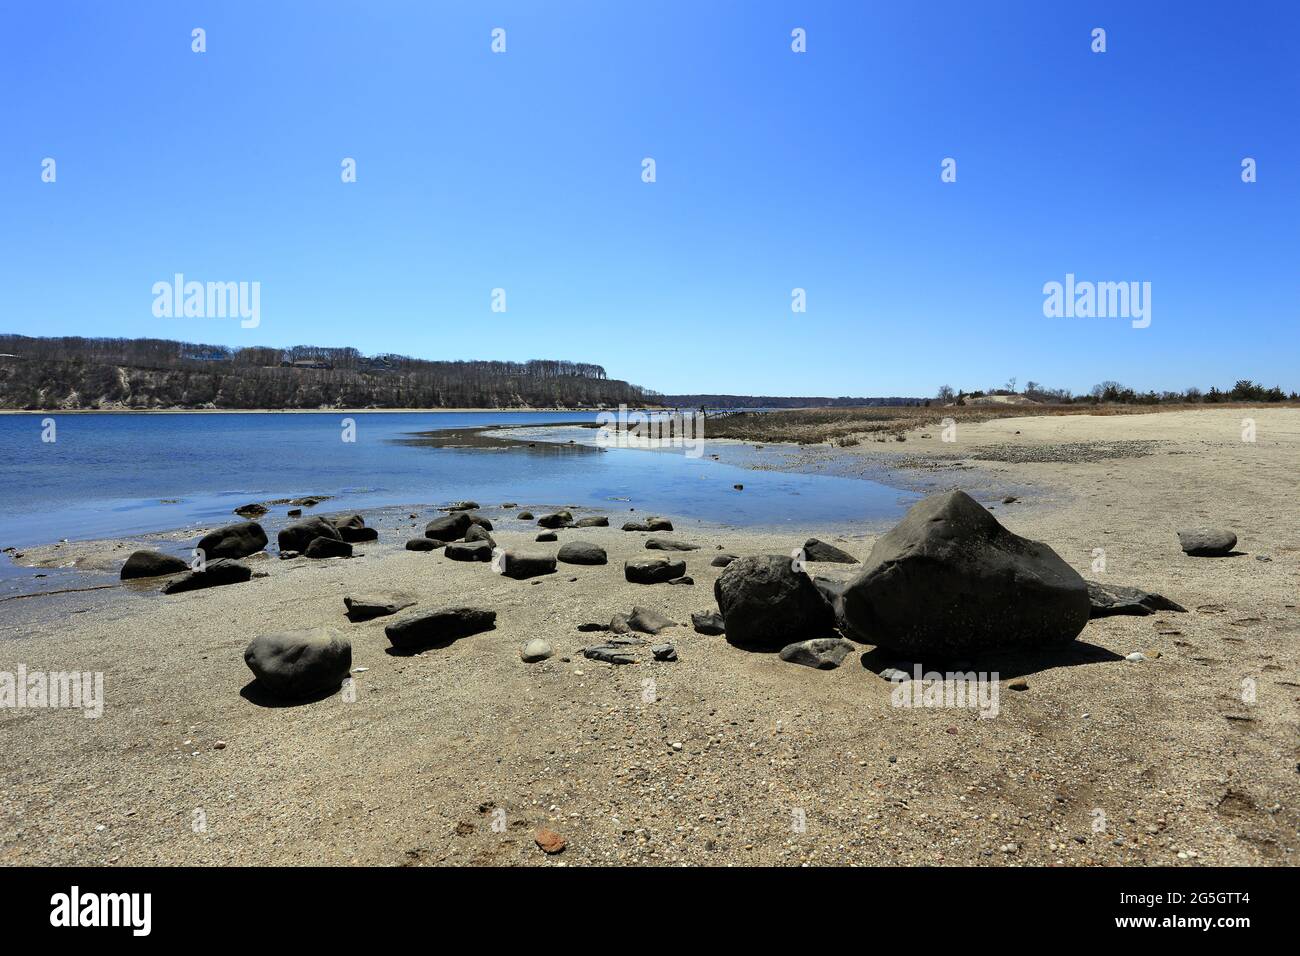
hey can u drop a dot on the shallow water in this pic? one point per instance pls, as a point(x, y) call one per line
point(115, 475)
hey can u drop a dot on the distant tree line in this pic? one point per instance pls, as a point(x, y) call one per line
point(160, 373)
point(1113, 392)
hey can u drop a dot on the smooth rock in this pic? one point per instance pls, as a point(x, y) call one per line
point(667, 544)
point(438, 627)
point(233, 541)
point(450, 527)
point(423, 544)
point(215, 574)
point(519, 566)
point(152, 564)
point(664, 652)
point(653, 570)
point(1207, 542)
point(298, 664)
point(327, 548)
point(722, 560)
point(598, 521)
point(468, 551)
point(581, 552)
point(296, 536)
point(535, 650)
point(561, 519)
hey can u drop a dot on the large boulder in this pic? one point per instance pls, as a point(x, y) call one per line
point(439, 627)
point(477, 532)
point(423, 544)
point(296, 536)
point(352, 528)
point(448, 528)
point(233, 541)
point(950, 580)
point(298, 664)
point(653, 570)
point(1207, 542)
point(597, 521)
point(152, 564)
point(659, 524)
point(214, 574)
point(765, 603)
point(581, 552)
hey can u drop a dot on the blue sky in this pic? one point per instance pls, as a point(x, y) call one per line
point(775, 170)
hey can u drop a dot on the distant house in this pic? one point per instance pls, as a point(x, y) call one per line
point(313, 363)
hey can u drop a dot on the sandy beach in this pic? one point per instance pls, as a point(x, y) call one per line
point(725, 756)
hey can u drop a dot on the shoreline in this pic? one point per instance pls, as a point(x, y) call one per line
point(704, 764)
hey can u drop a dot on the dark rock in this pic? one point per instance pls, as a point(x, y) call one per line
point(296, 536)
point(348, 521)
point(823, 653)
point(581, 552)
point(833, 592)
point(659, 524)
point(815, 550)
point(299, 664)
point(364, 607)
point(653, 570)
point(561, 519)
point(478, 533)
point(765, 603)
point(520, 566)
point(722, 560)
point(708, 622)
point(152, 564)
point(1207, 542)
point(358, 535)
point(593, 627)
point(439, 627)
point(595, 522)
point(664, 652)
point(509, 504)
point(294, 512)
point(468, 551)
point(1110, 599)
point(423, 544)
point(647, 621)
point(463, 506)
point(685, 580)
point(739, 487)
point(667, 544)
point(547, 537)
point(327, 548)
point(251, 510)
point(949, 579)
point(310, 501)
point(609, 654)
point(482, 522)
point(233, 541)
point(215, 573)
point(289, 555)
point(449, 527)
point(525, 516)
point(635, 526)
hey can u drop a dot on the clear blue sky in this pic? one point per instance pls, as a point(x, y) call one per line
point(775, 170)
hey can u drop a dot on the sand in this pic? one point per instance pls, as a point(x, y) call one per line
point(458, 755)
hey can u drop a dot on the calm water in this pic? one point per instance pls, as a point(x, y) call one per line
point(120, 474)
